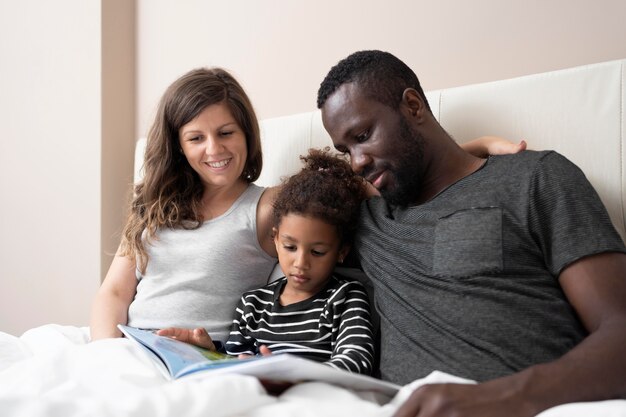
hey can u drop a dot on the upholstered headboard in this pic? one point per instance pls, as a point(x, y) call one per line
point(578, 112)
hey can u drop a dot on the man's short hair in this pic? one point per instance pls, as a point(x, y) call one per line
point(381, 75)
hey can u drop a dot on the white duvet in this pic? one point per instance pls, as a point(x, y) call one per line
point(53, 371)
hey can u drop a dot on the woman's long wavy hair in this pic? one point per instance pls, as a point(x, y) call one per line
point(170, 194)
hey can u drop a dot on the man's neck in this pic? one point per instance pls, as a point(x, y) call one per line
point(448, 165)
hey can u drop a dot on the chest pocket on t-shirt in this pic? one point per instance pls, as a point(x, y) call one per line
point(468, 242)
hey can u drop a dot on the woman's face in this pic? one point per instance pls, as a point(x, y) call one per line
point(215, 146)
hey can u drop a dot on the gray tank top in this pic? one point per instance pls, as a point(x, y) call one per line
point(194, 278)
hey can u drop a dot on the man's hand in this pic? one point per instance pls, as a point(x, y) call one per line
point(198, 337)
point(463, 400)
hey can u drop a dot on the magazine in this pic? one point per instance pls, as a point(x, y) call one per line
point(178, 359)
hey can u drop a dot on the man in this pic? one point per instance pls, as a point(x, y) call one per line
point(504, 270)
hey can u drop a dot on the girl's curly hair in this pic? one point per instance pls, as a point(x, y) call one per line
point(326, 189)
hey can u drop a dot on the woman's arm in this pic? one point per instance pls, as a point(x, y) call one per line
point(113, 298)
point(492, 145)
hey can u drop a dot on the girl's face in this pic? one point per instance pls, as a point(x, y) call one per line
point(215, 146)
point(308, 250)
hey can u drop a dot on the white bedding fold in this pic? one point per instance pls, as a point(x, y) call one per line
point(53, 371)
point(59, 374)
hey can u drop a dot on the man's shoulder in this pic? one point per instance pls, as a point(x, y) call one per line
point(531, 158)
point(374, 206)
point(530, 164)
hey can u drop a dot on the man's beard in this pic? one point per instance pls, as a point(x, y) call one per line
point(407, 168)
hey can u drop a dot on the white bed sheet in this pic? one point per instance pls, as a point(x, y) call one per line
point(53, 371)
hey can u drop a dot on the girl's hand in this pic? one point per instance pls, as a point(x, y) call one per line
point(263, 351)
point(272, 387)
point(198, 337)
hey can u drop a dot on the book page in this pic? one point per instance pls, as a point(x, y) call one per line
point(185, 360)
point(178, 357)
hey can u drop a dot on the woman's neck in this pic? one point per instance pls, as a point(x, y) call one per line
point(217, 200)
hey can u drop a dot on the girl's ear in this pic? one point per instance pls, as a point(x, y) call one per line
point(343, 252)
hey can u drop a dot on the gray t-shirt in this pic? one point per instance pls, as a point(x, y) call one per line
point(194, 278)
point(467, 283)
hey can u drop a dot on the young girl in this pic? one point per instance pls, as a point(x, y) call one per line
point(311, 311)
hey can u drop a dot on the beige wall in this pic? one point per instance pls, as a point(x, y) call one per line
point(61, 183)
point(118, 121)
point(280, 50)
point(70, 107)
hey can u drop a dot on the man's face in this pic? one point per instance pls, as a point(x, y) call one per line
point(383, 147)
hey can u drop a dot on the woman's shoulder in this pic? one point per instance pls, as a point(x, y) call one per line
point(264, 220)
point(268, 193)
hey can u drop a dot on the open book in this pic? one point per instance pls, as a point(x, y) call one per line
point(177, 359)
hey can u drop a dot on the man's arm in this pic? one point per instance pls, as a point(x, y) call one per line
point(593, 370)
point(596, 368)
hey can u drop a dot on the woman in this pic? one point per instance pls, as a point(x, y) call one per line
point(199, 232)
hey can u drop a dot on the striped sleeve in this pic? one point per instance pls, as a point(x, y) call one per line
point(353, 330)
point(239, 341)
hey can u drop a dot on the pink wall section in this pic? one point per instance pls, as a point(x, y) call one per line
point(281, 50)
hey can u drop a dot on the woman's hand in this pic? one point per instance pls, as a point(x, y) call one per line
point(499, 146)
point(493, 145)
point(198, 337)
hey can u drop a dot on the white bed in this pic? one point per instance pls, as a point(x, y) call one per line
point(53, 370)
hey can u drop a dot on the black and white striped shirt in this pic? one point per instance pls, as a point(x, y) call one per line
point(333, 326)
